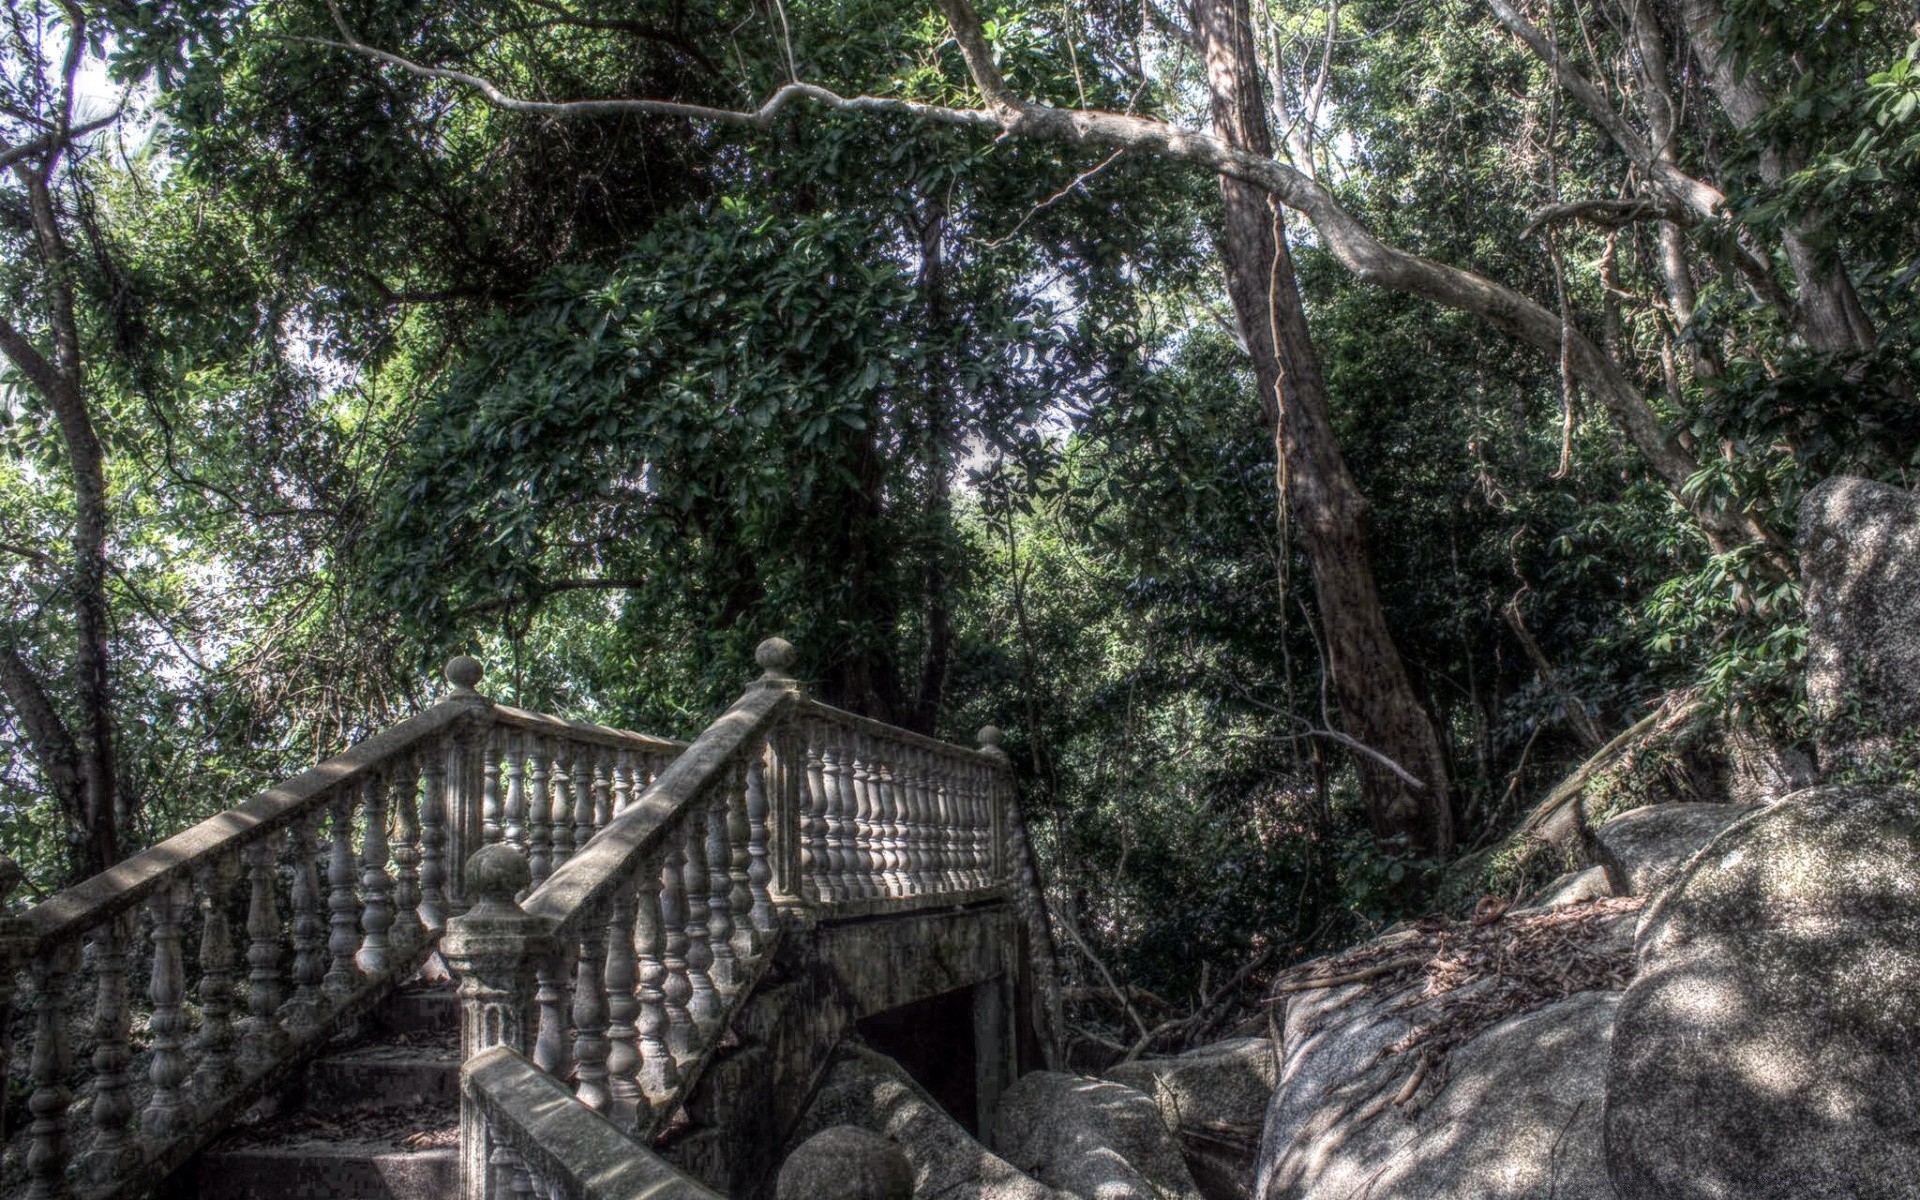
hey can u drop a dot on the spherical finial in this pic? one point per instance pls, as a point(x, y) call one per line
point(497, 874)
point(775, 656)
point(990, 737)
point(463, 672)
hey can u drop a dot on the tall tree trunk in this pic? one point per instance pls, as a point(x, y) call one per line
point(1376, 697)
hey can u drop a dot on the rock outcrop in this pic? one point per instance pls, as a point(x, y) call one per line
point(1091, 1137)
point(1513, 1110)
point(1642, 849)
point(870, 1091)
point(1768, 1044)
point(1214, 1099)
point(1859, 545)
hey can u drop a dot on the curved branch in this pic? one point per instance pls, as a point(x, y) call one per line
point(1343, 235)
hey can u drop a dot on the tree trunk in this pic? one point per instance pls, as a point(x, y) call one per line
point(1377, 700)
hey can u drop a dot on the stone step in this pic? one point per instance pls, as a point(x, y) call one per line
point(384, 1076)
point(419, 1010)
point(317, 1169)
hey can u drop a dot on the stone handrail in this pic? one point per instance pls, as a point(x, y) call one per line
point(305, 905)
point(615, 973)
point(566, 1149)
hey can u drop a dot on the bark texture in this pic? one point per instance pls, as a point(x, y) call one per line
point(1377, 701)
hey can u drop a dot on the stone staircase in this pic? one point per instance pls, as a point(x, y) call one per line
point(376, 1115)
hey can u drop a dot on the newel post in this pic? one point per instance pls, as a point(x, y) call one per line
point(451, 818)
point(784, 767)
point(999, 802)
point(494, 949)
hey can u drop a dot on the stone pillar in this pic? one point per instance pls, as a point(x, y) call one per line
point(463, 785)
point(784, 781)
point(494, 950)
point(993, 1049)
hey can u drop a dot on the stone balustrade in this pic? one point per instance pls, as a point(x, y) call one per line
point(196, 975)
point(615, 972)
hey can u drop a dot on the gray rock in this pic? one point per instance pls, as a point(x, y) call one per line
point(871, 1091)
point(848, 1162)
point(1859, 545)
point(1644, 848)
point(1575, 887)
point(1214, 1099)
point(1768, 1045)
point(1518, 1119)
point(1759, 771)
point(1091, 1137)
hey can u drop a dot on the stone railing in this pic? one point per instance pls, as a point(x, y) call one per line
point(616, 973)
point(566, 1150)
point(196, 975)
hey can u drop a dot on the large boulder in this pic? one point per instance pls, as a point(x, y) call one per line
point(871, 1091)
point(1859, 545)
point(1644, 848)
point(1510, 1019)
point(848, 1162)
point(1768, 1044)
point(1214, 1099)
point(1091, 1137)
point(1519, 1117)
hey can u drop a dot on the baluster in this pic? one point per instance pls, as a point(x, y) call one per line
point(164, 1116)
point(539, 810)
point(893, 822)
point(404, 800)
point(513, 806)
point(375, 956)
point(302, 1009)
point(626, 783)
point(261, 1037)
point(940, 828)
point(623, 1009)
point(913, 870)
point(982, 825)
point(704, 1005)
point(590, 786)
point(214, 878)
point(659, 1075)
point(434, 822)
point(113, 1152)
point(568, 796)
point(959, 839)
point(872, 853)
point(492, 808)
point(726, 962)
point(732, 813)
point(343, 944)
point(590, 1015)
point(553, 1047)
point(759, 871)
point(52, 1061)
point(821, 863)
point(593, 785)
point(677, 986)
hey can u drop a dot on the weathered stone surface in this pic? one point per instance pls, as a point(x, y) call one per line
point(1767, 1047)
point(1519, 1117)
point(871, 1091)
point(848, 1162)
point(1759, 771)
point(1091, 1137)
point(1644, 848)
point(1575, 887)
point(1214, 1099)
point(1859, 545)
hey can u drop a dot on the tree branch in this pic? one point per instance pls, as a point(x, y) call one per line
point(1349, 241)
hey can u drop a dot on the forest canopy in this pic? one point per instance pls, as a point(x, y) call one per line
point(1311, 428)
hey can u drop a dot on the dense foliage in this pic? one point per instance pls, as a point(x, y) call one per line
point(382, 371)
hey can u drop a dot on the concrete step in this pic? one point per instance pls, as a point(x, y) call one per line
point(328, 1170)
point(385, 1076)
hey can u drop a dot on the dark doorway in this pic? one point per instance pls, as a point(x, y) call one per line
point(933, 1040)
